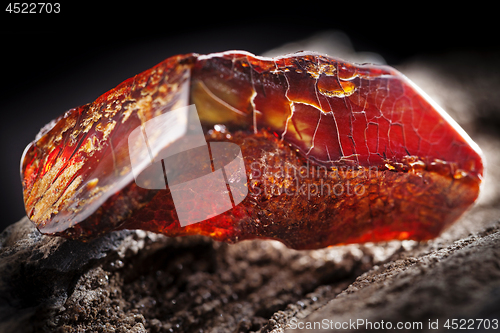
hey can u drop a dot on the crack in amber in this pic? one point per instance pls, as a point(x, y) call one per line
point(308, 125)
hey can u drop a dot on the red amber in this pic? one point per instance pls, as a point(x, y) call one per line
point(333, 152)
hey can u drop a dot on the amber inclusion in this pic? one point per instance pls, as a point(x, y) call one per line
point(334, 153)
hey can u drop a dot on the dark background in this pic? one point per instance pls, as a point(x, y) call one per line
point(53, 62)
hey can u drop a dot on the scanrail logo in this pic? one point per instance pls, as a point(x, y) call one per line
point(205, 179)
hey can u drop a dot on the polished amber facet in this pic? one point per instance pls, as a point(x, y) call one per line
point(333, 153)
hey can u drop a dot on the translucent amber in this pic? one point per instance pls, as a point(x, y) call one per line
point(333, 153)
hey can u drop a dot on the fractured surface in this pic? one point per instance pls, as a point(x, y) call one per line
point(333, 152)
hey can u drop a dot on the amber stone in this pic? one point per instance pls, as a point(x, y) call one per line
point(332, 152)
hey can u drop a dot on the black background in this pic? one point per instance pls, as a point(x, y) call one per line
point(53, 62)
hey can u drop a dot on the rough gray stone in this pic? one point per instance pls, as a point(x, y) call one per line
point(136, 281)
point(459, 281)
point(38, 271)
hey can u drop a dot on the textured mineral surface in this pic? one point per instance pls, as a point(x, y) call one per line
point(327, 152)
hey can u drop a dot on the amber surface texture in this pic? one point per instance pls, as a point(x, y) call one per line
point(330, 153)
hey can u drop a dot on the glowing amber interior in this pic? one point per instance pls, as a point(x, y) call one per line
point(334, 153)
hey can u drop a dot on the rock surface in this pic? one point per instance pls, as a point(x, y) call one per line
point(440, 283)
point(134, 281)
point(138, 281)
